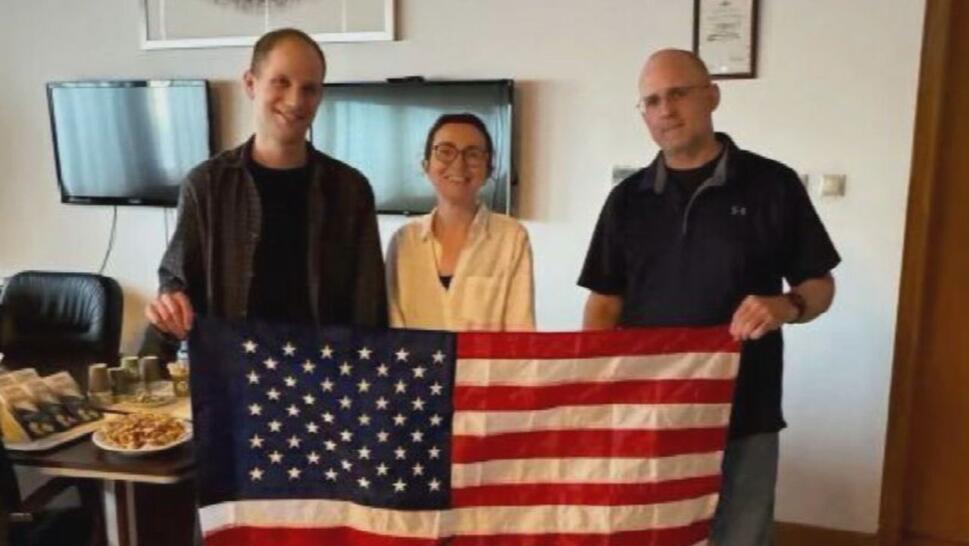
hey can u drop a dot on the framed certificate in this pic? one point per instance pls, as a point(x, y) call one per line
point(169, 24)
point(725, 37)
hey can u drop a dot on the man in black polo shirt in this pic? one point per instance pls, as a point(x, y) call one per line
point(704, 236)
point(275, 229)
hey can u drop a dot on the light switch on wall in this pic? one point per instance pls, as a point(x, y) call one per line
point(832, 185)
point(622, 172)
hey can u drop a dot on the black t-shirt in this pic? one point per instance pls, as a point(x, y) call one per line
point(746, 231)
point(280, 288)
point(689, 180)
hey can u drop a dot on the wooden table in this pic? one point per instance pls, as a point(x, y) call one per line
point(154, 496)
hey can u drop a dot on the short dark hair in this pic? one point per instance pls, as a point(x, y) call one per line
point(268, 41)
point(465, 118)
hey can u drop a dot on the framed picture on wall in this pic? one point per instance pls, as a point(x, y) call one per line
point(225, 23)
point(725, 37)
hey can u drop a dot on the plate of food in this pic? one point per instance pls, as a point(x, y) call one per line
point(142, 434)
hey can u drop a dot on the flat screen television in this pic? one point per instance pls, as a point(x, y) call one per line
point(380, 128)
point(127, 142)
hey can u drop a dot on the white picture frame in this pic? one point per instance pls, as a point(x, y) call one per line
point(179, 24)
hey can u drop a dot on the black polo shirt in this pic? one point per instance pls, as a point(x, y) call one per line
point(680, 260)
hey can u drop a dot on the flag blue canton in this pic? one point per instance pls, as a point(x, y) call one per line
point(336, 414)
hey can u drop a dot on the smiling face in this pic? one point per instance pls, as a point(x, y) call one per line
point(286, 88)
point(458, 164)
point(677, 101)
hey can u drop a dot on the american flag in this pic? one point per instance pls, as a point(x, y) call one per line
point(365, 437)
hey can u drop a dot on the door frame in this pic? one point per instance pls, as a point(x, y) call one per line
point(933, 80)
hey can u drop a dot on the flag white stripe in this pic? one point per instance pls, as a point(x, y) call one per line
point(316, 513)
point(586, 470)
point(612, 416)
point(534, 372)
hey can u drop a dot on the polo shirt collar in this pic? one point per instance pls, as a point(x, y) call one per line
point(655, 177)
point(479, 225)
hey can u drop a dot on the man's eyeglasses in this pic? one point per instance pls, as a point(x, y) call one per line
point(671, 95)
point(473, 155)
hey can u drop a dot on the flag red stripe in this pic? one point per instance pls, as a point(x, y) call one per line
point(650, 391)
point(668, 536)
point(260, 536)
point(546, 345)
point(586, 443)
point(311, 536)
point(602, 494)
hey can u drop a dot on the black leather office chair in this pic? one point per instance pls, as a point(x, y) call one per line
point(56, 321)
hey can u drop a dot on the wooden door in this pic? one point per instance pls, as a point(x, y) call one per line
point(925, 499)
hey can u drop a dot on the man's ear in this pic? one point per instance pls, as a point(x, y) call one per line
point(714, 96)
point(249, 83)
point(424, 165)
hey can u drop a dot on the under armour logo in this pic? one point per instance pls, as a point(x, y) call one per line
point(737, 210)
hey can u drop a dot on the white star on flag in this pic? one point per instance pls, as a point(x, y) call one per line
point(438, 357)
point(308, 367)
point(253, 378)
point(326, 352)
point(255, 441)
point(364, 353)
point(255, 409)
point(402, 355)
point(249, 346)
point(270, 363)
point(276, 457)
point(255, 474)
point(289, 349)
point(294, 473)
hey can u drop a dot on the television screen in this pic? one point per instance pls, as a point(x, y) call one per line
point(380, 129)
point(127, 142)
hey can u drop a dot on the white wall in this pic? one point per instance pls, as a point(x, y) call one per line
point(836, 93)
